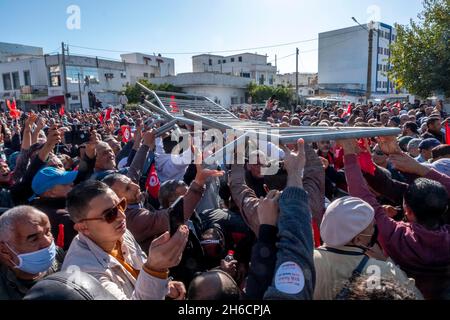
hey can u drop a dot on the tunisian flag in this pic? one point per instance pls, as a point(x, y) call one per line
point(62, 111)
point(126, 133)
point(153, 184)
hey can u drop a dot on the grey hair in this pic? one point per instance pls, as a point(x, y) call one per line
point(111, 179)
point(10, 218)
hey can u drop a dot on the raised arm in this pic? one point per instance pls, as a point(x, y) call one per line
point(294, 276)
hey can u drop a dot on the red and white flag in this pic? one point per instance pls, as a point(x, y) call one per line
point(126, 133)
point(153, 184)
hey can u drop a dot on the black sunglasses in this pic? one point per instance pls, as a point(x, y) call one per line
point(110, 215)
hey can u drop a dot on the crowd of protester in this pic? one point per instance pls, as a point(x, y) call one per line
point(86, 202)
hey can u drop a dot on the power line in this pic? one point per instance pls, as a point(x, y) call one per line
point(220, 51)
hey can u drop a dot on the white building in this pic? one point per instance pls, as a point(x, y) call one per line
point(223, 89)
point(105, 78)
point(304, 79)
point(11, 51)
point(163, 66)
point(343, 60)
point(23, 79)
point(247, 65)
point(23, 74)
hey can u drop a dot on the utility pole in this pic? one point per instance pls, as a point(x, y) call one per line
point(296, 77)
point(371, 26)
point(79, 92)
point(369, 64)
point(66, 95)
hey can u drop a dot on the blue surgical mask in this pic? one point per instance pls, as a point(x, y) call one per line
point(38, 261)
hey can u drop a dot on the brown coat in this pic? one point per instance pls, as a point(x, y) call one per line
point(145, 225)
point(313, 183)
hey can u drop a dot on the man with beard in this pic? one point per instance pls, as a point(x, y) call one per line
point(434, 127)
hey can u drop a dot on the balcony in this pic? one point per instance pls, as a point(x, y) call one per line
point(28, 93)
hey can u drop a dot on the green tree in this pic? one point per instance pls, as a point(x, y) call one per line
point(420, 57)
point(134, 92)
point(261, 93)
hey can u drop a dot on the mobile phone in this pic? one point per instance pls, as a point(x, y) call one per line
point(176, 215)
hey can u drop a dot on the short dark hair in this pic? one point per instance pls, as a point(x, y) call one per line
point(432, 120)
point(199, 290)
point(441, 151)
point(428, 200)
point(167, 192)
point(79, 198)
point(411, 126)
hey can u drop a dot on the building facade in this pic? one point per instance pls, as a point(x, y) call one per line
point(223, 89)
point(246, 65)
point(343, 60)
point(104, 78)
point(304, 79)
point(11, 52)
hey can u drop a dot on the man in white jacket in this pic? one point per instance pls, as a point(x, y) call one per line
point(106, 250)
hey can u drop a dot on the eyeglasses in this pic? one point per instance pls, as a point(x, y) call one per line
point(110, 215)
point(379, 153)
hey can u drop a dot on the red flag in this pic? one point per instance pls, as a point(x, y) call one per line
point(447, 133)
point(108, 114)
point(60, 239)
point(173, 105)
point(100, 117)
point(153, 184)
point(13, 112)
point(62, 111)
point(365, 158)
point(13, 104)
point(126, 133)
point(349, 110)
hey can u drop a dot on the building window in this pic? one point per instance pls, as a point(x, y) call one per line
point(145, 75)
point(210, 62)
point(16, 80)
point(240, 59)
point(262, 79)
point(232, 60)
point(7, 84)
point(152, 75)
point(271, 80)
point(219, 61)
point(123, 75)
point(27, 78)
point(224, 61)
point(245, 74)
point(55, 76)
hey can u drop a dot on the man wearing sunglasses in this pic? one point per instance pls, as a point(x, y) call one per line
point(105, 249)
point(145, 224)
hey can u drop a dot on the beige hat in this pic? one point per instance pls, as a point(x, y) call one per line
point(344, 219)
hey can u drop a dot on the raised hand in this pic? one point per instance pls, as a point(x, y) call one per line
point(202, 173)
point(165, 252)
point(389, 145)
point(268, 209)
point(403, 162)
